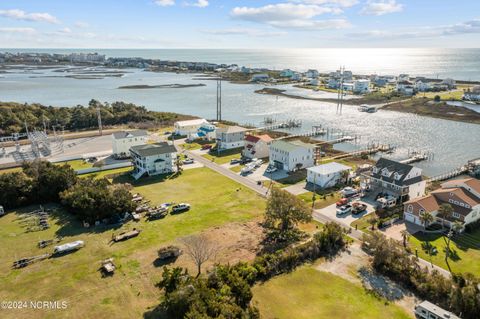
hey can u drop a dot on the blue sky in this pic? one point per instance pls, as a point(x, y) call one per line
point(239, 23)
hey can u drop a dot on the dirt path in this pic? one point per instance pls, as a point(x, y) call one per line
point(353, 265)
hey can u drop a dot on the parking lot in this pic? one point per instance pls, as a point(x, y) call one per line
point(346, 219)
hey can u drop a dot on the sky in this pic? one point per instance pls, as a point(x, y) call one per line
point(239, 24)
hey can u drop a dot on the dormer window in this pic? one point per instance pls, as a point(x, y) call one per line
point(397, 176)
point(386, 172)
point(375, 169)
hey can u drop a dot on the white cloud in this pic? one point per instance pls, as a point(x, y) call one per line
point(246, 32)
point(340, 3)
point(201, 3)
point(468, 27)
point(81, 24)
point(165, 3)
point(22, 15)
point(378, 8)
point(292, 15)
point(18, 30)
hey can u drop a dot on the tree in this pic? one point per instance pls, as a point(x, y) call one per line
point(405, 235)
point(445, 210)
point(437, 98)
point(200, 249)
point(426, 218)
point(373, 220)
point(179, 164)
point(283, 213)
point(15, 189)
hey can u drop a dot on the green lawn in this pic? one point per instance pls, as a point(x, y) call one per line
point(109, 173)
point(225, 156)
point(10, 170)
point(215, 201)
point(237, 168)
point(320, 202)
point(362, 224)
point(77, 164)
point(466, 251)
point(309, 293)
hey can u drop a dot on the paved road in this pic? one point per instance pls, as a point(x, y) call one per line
point(228, 173)
point(317, 215)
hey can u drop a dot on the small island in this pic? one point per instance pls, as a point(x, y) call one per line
point(163, 86)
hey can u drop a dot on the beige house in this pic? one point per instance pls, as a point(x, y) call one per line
point(257, 146)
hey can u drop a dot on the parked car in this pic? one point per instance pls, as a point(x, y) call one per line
point(207, 147)
point(342, 202)
point(188, 161)
point(349, 192)
point(180, 208)
point(343, 210)
point(258, 163)
point(246, 160)
point(234, 161)
point(358, 208)
point(271, 169)
point(248, 169)
point(387, 201)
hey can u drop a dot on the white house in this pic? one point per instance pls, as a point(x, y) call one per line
point(153, 159)
point(291, 155)
point(122, 141)
point(421, 86)
point(230, 137)
point(257, 146)
point(327, 175)
point(450, 83)
point(405, 87)
point(190, 127)
point(361, 86)
point(403, 78)
point(472, 94)
point(333, 83)
point(314, 82)
point(312, 74)
point(207, 132)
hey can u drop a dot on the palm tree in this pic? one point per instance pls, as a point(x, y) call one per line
point(372, 221)
point(444, 211)
point(405, 235)
point(427, 219)
point(179, 164)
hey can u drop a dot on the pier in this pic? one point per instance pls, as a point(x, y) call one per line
point(472, 167)
point(373, 149)
point(415, 156)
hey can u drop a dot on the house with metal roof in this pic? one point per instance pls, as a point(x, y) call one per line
point(327, 175)
point(153, 159)
point(122, 141)
point(291, 155)
point(402, 181)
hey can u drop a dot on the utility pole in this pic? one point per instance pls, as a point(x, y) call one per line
point(219, 100)
point(340, 91)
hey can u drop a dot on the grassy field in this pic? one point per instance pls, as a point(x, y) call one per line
point(320, 202)
point(77, 164)
point(74, 278)
point(225, 156)
point(10, 170)
point(309, 293)
point(466, 251)
point(362, 224)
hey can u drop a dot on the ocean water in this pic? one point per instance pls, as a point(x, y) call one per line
point(452, 143)
point(462, 64)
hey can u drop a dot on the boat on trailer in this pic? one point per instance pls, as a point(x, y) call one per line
point(367, 108)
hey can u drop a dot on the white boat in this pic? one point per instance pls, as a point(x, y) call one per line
point(367, 108)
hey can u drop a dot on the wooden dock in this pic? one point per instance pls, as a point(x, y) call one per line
point(367, 151)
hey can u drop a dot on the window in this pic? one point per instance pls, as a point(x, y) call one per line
point(410, 208)
point(421, 211)
point(456, 215)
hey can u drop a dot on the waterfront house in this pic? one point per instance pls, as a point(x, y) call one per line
point(312, 74)
point(403, 78)
point(361, 86)
point(327, 175)
point(261, 77)
point(207, 132)
point(190, 127)
point(257, 146)
point(333, 83)
point(229, 137)
point(380, 81)
point(402, 181)
point(287, 73)
point(122, 141)
point(421, 86)
point(314, 82)
point(405, 87)
point(428, 310)
point(450, 83)
point(348, 86)
point(153, 159)
point(472, 94)
point(291, 155)
point(462, 194)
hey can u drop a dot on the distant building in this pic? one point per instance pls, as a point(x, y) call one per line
point(402, 181)
point(361, 86)
point(207, 131)
point(421, 86)
point(428, 310)
point(287, 73)
point(450, 83)
point(87, 58)
point(190, 127)
point(327, 175)
point(312, 74)
point(153, 159)
point(314, 82)
point(261, 77)
point(291, 155)
point(230, 137)
point(257, 146)
point(462, 194)
point(123, 141)
point(472, 94)
point(405, 87)
point(403, 78)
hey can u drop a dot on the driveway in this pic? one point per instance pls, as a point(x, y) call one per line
point(330, 212)
point(297, 189)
